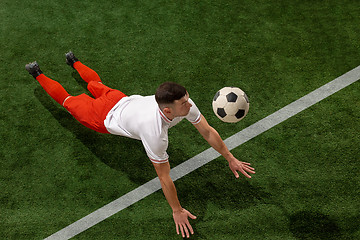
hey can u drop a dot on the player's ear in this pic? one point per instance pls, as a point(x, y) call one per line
point(167, 110)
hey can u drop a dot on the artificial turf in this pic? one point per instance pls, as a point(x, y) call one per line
point(53, 171)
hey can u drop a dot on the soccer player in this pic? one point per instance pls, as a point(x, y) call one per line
point(145, 118)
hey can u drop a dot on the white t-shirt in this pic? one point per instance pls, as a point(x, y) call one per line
point(140, 118)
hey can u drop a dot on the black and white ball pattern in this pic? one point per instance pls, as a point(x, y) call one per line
point(230, 104)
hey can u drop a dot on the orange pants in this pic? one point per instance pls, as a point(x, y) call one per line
point(91, 112)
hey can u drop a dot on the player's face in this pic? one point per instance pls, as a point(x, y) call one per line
point(182, 106)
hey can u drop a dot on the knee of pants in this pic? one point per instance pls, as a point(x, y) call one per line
point(97, 89)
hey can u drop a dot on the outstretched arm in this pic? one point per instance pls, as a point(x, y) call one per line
point(180, 214)
point(214, 139)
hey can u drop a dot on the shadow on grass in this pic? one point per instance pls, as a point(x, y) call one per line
point(314, 225)
point(215, 185)
point(117, 152)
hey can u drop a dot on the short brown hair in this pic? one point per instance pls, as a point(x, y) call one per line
point(168, 92)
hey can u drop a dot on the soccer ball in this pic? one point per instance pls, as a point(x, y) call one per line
point(230, 104)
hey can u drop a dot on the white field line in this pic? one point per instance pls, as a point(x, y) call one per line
point(208, 155)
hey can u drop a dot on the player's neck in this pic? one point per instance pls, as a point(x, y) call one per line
point(169, 116)
point(166, 116)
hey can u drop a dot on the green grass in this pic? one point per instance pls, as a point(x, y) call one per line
point(53, 171)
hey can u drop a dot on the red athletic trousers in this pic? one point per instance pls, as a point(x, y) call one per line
point(91, 112)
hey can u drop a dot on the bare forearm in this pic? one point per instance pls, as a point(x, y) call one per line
point(215, 141)
point(180, 215)
point(170, 193)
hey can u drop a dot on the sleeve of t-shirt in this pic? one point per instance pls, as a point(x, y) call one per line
point(155, 149)
point(194, 115)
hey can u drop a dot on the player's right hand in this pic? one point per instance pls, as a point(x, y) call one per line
point(182, 222)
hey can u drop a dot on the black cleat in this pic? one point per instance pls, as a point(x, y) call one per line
point(34, 69)
point(71, 59)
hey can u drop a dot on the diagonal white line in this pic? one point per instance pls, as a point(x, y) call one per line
point(209, 155)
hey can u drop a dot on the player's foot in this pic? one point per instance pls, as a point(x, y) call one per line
point(71, 59)
point(34, 69)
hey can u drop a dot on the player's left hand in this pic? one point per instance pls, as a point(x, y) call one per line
point(243, 167)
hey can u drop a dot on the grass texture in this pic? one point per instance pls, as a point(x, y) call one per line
point(53, 171)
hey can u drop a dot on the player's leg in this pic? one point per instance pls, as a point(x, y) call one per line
point(86, 73)
point(83, 109)
point(88, 111)
point(95, 85)
point(92, 112)
point(98, 90)
point(53, 88)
